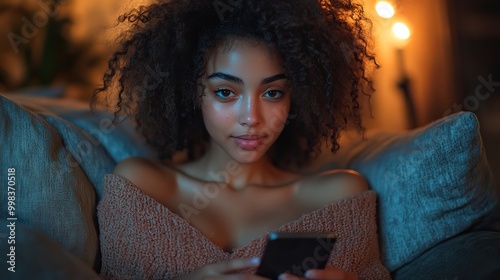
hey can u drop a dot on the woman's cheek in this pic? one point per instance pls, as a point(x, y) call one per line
point(223, 114)
point(217, 115)
point(277, 120)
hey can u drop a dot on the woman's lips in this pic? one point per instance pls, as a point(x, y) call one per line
point(248, 144)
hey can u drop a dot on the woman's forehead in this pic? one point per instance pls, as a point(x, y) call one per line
point(245, 58)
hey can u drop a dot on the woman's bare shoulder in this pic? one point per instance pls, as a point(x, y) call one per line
point(151, 177)
point(347, 180)
point(331, 185)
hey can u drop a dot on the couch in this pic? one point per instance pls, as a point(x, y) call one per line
point(438, 206)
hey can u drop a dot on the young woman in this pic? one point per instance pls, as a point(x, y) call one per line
point(247, 89)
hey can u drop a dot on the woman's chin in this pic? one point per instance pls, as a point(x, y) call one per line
point(247, 156)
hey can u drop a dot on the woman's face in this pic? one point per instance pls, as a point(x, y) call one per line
point(246, 101)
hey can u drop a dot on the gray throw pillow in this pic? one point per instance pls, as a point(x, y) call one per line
point(89, 153)
point(432, 184)
point(95, 143)
point(471, 255)
point(52, 193)
point(120, 141)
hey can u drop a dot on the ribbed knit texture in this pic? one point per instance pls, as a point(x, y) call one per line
point(142, 239)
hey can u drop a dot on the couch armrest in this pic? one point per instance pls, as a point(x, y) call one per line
point(471, 255)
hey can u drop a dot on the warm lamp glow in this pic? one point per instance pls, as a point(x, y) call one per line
point(384, 9)
point(401, 31)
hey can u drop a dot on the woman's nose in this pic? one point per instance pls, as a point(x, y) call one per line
point(250, 114)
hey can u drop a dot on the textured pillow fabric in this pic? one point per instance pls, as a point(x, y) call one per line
point(88, 153)
point(52, 193)
point(120, 141)
point(472, 255)
point(432, 183)
point(94, 142)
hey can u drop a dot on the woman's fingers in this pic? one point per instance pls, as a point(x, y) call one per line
point(241, 277)
point(222, 270)
point(286, 276)
point(330, 273)
point(235, 264)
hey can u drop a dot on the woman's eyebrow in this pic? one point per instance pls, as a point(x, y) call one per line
point(231, 78)
point(273, 78)
point(227, 77)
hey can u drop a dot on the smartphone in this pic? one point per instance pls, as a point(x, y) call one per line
point(295, 253)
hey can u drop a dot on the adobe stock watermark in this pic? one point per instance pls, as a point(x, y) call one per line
point(12, 217)
point(482, 92)
point(31, 27)
point(223, 6)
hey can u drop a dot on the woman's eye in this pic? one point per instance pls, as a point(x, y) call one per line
point(274, 94)
point(223, 93)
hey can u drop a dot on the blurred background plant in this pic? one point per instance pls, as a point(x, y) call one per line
point(40, 51)
point(62, 44)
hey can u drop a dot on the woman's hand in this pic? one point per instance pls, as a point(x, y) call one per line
point(329, 273)
point(223, 270)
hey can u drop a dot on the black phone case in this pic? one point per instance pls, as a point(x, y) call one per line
point(295, 253)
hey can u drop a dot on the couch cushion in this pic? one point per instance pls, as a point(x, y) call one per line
point(432, 183)
point(88, 152)
point(95, 143)
point(120, 141)
point(52, 193)
point(474, 255)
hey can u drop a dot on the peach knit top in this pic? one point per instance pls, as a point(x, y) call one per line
point(142, 239)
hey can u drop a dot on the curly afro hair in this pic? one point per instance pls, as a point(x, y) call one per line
point(157, 70)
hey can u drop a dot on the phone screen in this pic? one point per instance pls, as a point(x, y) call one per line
point(295, 253)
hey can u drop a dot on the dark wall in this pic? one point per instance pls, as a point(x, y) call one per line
point(475, 28)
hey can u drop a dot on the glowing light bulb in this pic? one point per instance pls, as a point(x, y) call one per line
point(401, 31)
point(384, 9)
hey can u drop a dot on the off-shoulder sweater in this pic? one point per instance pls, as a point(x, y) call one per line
point(142, 239)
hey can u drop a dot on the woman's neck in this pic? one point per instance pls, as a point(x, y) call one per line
point(217, 165)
